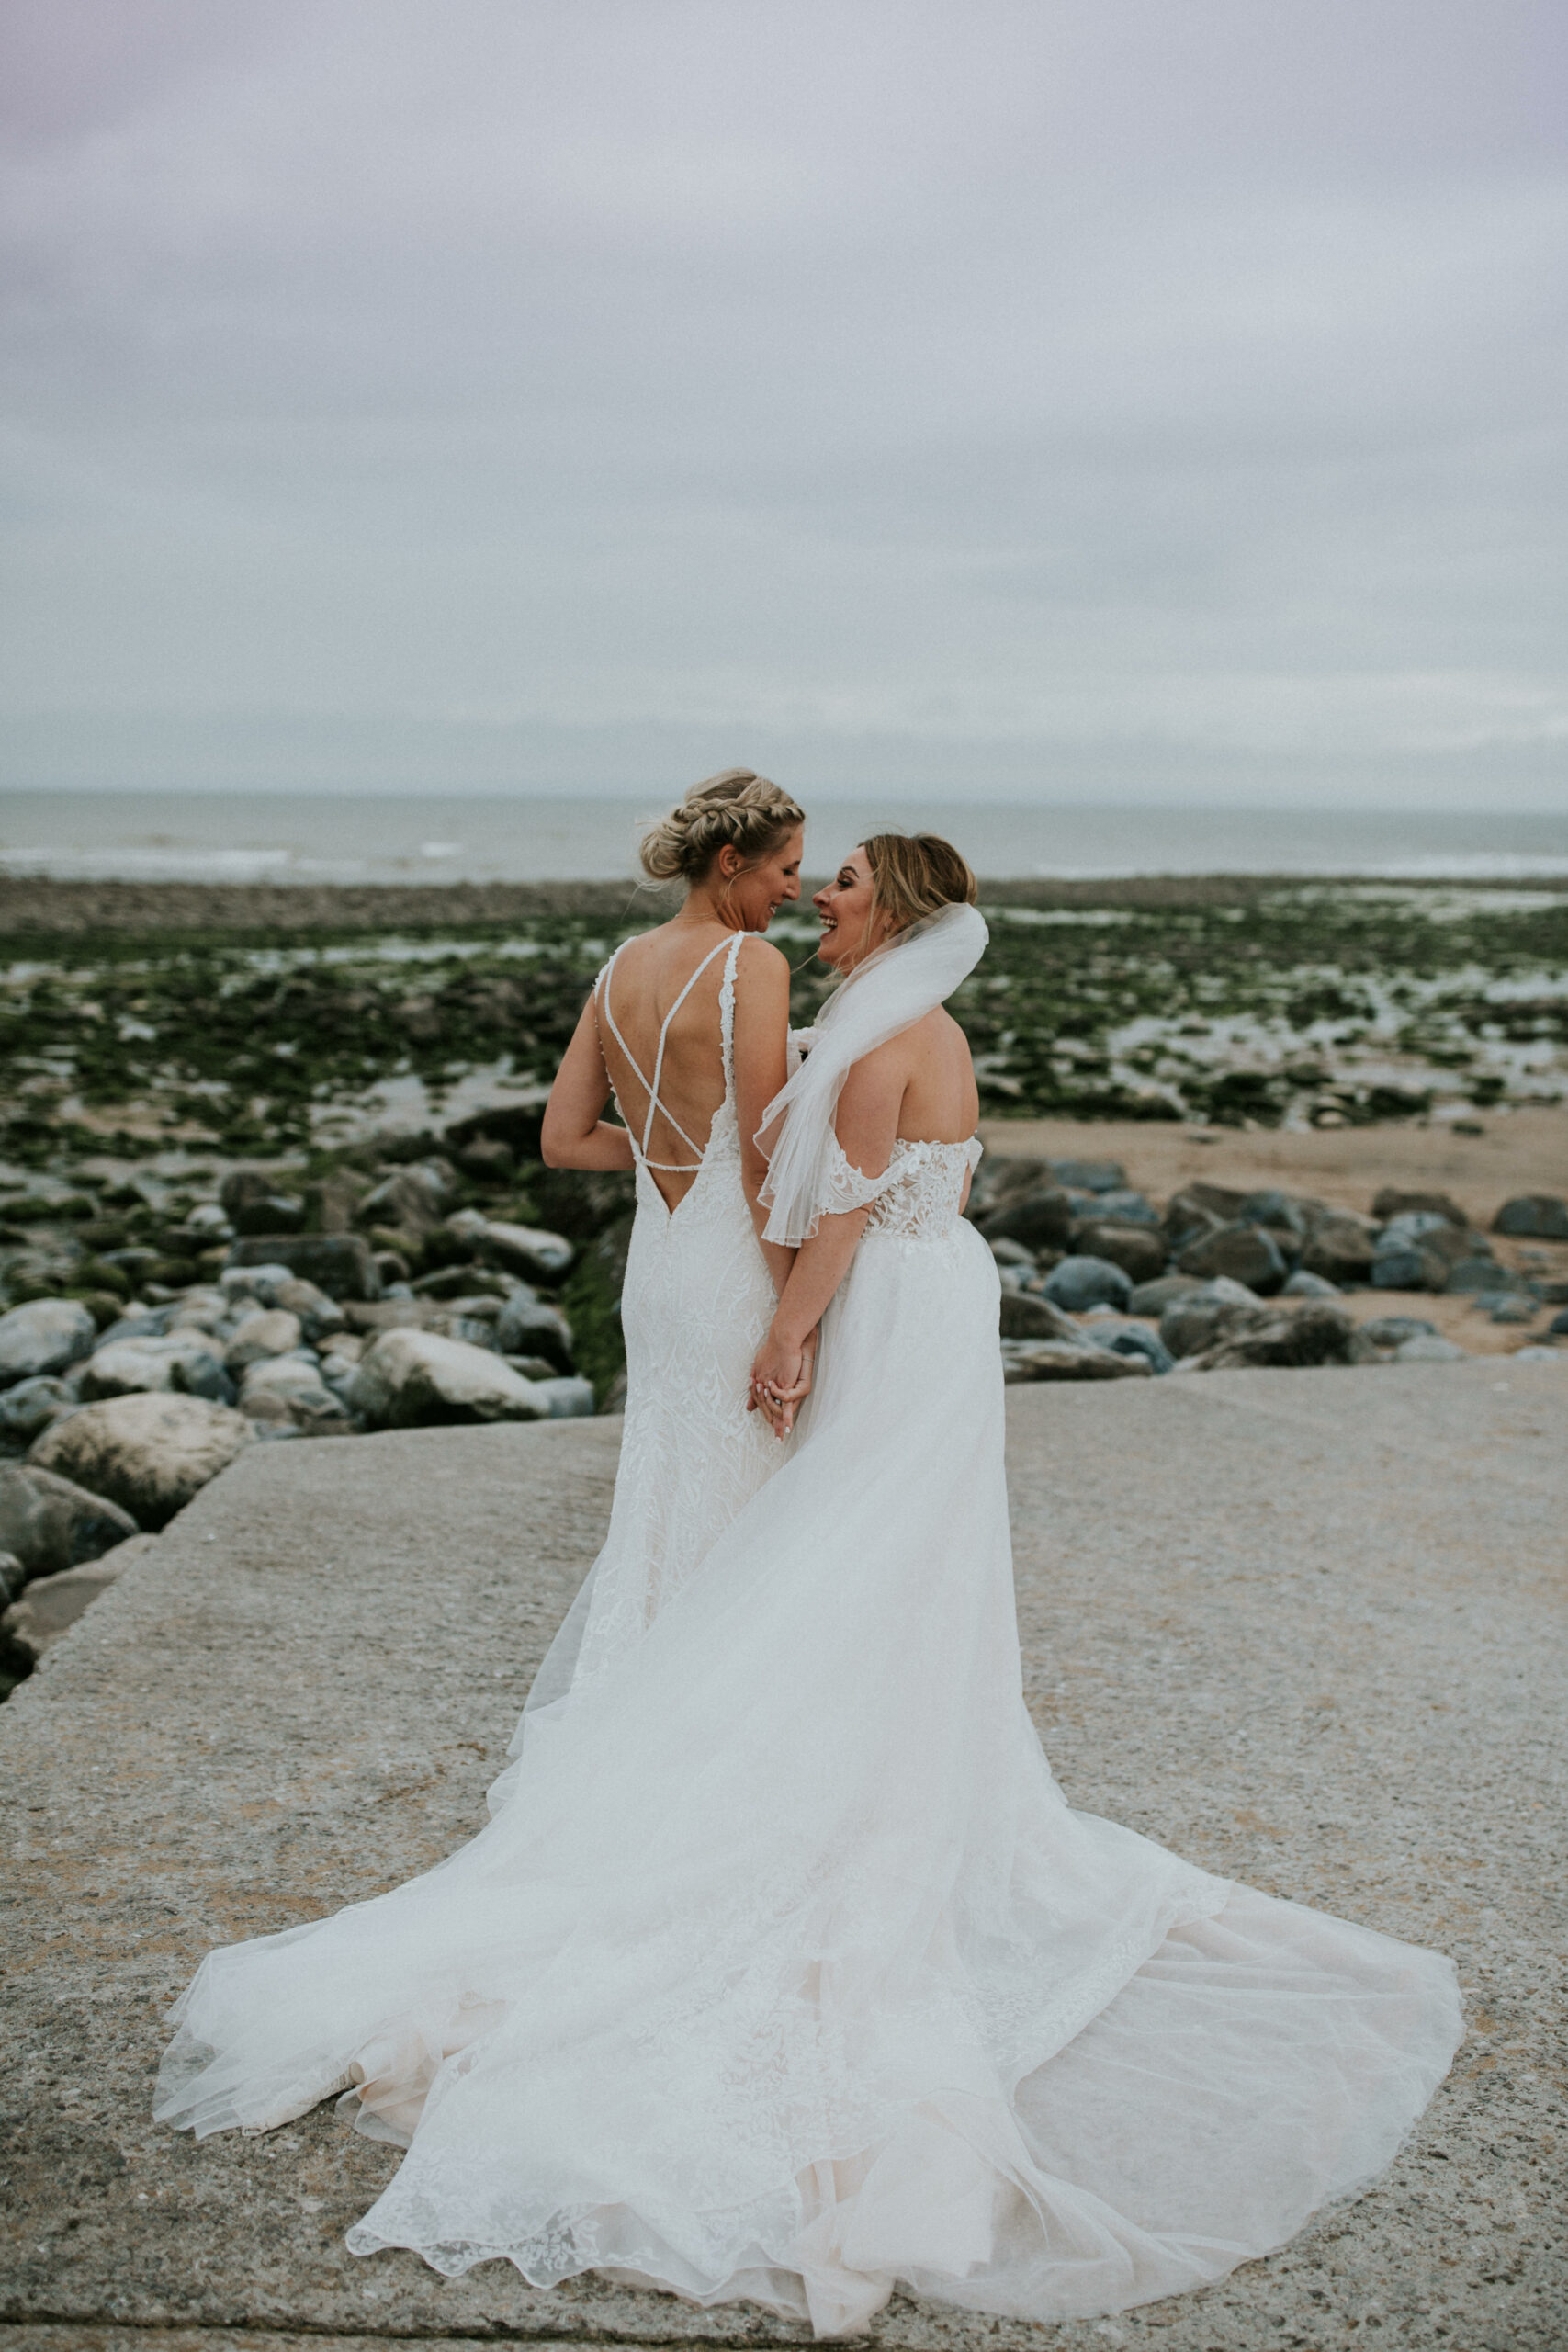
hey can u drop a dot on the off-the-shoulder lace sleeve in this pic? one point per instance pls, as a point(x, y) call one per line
point(845, 1188)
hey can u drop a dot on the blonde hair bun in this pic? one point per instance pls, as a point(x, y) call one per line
point(738, 809)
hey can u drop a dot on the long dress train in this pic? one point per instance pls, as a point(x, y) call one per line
point(787, 1972)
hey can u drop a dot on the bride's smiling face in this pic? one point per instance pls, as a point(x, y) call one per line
point(849, 929)
point(752, 895)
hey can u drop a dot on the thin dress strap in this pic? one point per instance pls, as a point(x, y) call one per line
point(726, 1016)
point(655, 1107)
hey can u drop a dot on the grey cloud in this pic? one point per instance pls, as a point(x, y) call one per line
point(532, 394)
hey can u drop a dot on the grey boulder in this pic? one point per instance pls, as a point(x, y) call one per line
point(523, 1250)
point(1152, 1298)
point(1079, 1283)
point(31, 1405)
point(1340, 1247)
point(184, 1361)
point(1055, 1360)
point(47, 1335)
point(1090, 1175)
point(51, 1605)
point(1040, 1219)
point(409, 1378)
point(1392, 1330)
point(50, 1522)
point(1428, 1347)
point(1138, 1249)
point(1027, 1315)
point(148, 1454)
point(1189, 1325)
point(273, 1332)
point(527, 1327)
point(1242, 1254)
point(1314, 1334)
point(1533, 1217)
point(340, 1263)
point(291, 1388)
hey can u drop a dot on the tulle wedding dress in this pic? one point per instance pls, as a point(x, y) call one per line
point(784, 1970)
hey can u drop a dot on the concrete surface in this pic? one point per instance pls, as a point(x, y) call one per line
point(1305, 1626)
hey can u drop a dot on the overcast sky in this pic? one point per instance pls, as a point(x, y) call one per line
point(1121, 400)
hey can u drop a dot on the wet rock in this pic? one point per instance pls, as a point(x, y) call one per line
point(1418, 1250)
point(1558, 1326)
point(1481, 1273)
point(487, 1160)
point(1124, 1207)
point(241, 1187)
point(148, 1454)
point(409, 1378)
point(527, 1327)
point(524, 1250)
point(1008, 1253)
point(1132, 1339)
point(1392, 1202)
point(31, 1405)
point(1152, 1298)
point(1517, 1309)
point(1314, 1334)
point(1138, 1249)
point(568, 1399)
point(273, 1212)
point(1340, 1247)
point(1198, 1208)
point(1241, 1253)
point(516, 1125)
point(1536, 1217)
point(413, 1201)
point(1303, 1284)
point(51, 1605)
point(1196, 1321)
point(1392, 1330)
point(1089, 1175)
point(50, 1522)
point(1427, 1347)
point(1040, 1219)
point(340, 1263)
point(48, 1335)
point(1055, 1360)
point(1083, 1281)
point(184, 1361)
point(1027, 1315)
point(272, 1332)
point(292, 1388)
point(319, 1315)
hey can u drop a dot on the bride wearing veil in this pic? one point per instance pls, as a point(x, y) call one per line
point(784, 1971)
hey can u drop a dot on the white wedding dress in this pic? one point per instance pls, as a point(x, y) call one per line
point(785, 1970)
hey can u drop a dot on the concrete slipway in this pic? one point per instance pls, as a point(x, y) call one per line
point(1307, 1627)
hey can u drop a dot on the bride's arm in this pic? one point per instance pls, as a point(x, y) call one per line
point(867, 1127)
point(573, 1135)
point(761, 1032)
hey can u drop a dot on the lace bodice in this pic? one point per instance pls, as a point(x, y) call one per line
point(917, 1196)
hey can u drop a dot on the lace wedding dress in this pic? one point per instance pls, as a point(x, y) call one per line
point(785, 1970)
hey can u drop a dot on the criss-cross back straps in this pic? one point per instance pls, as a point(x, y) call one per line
point(668, 1167)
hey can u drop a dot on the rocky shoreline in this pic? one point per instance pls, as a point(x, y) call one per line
point(269, 1162)
point(157, 1329)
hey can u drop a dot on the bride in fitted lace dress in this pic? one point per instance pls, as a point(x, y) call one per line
point(786, 1971)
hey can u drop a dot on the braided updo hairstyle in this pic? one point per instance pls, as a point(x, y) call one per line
point(735, 809)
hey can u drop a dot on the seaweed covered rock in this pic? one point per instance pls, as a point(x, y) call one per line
point(1315, 1333)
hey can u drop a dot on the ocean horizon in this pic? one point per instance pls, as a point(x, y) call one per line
point(393, 837)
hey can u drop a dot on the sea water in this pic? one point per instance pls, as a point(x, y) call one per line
point(393, 837)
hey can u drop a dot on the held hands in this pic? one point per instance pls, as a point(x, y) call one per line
point(781, 1380)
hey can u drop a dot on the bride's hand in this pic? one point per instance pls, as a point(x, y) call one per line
point(781, 1380)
